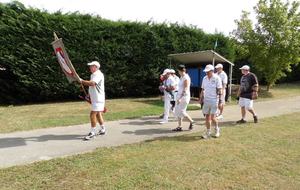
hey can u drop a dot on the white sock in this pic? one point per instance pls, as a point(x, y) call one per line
point(217, 128)
point(93, 129)
point(102, 127)
point(208, 131)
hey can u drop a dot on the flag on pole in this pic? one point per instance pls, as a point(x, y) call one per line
point(216, 44)
point(63, 60)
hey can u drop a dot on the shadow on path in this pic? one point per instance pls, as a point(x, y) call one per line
point(19, 141)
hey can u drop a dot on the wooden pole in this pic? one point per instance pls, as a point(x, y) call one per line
point(55, 36)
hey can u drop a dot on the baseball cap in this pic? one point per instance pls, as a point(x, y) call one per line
point(245, 67)
point(166, 71)
point(208, 67)
point(172, 71)
point(219, 66)
point(94, 63)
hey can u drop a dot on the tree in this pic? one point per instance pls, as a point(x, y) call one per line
point(273, 43)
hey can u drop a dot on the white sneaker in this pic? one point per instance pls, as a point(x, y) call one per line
point(220, 117)
point(163, 121)
point(90, 136)
point(206, 135)
point(217, 135)
point(102, 131)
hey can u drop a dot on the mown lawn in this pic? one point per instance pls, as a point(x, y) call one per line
point(28, 117)
point(251, 156)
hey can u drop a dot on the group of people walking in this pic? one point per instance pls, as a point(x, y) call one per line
point(212, 96)
point(177, 96)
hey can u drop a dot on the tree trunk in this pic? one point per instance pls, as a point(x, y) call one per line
point(268, 87)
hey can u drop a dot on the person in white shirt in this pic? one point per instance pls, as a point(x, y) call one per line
point(224, 80)
point(97, 97)
point(168, 87)
point(183, 98)
point(210, 97)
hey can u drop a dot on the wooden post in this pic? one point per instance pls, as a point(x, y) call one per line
point(230, 83)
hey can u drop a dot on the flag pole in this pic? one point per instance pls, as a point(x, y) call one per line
point(215, 47)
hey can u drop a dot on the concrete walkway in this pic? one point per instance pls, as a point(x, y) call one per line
point(43, 144)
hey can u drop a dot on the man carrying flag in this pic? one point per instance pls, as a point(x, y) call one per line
point(97, 97)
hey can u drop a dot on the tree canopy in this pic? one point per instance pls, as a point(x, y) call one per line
point(273, 43)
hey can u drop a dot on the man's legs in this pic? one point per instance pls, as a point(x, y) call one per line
point(251, 110)
point(243, 104)
point(215, 123)
point(100, 118)
point(243, 112)
point(93, 119)
point(101, 122)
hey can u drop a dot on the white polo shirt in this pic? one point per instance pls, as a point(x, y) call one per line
point(96, 92)
point(210, 86)
point(181, 87)
point(224, 78)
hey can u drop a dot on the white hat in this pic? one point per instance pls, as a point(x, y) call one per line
point(172, 71)
point(209, 68)
point(219, 66)
point(94, 63)
point(245, 67)
point(166, 71)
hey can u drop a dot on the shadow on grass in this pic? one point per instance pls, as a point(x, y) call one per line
point(19, 141)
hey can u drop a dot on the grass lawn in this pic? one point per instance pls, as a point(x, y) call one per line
point(28, 117)
point(277, 92)
point(252, 156)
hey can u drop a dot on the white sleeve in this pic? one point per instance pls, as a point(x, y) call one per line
point(97, 78)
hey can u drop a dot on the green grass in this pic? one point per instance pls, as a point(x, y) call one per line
point(28, 117)
point(252, 156)
point(277, 92)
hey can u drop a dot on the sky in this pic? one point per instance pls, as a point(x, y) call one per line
point(209, 15)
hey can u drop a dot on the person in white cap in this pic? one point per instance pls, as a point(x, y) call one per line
point(224, 80)
point(97, 96)
point(247, 93)
point(169, 89)
point(210, 96)
point(176, 79)
point(183, 98)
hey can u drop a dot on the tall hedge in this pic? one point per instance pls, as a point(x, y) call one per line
point(132, 54)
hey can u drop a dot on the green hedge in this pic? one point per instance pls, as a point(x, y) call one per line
point(132, 54)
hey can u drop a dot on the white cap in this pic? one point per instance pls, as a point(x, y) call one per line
point(94, 63)
point(209, 68)
point(245, 67)
point(172, 71)
point(166, 71)
point(219, 66)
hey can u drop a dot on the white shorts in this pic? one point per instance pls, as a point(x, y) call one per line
point(180, 109)
point(99, 106)
point(210, 108)
point(245, 102)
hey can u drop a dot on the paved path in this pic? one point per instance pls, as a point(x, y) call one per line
point(26, 147)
